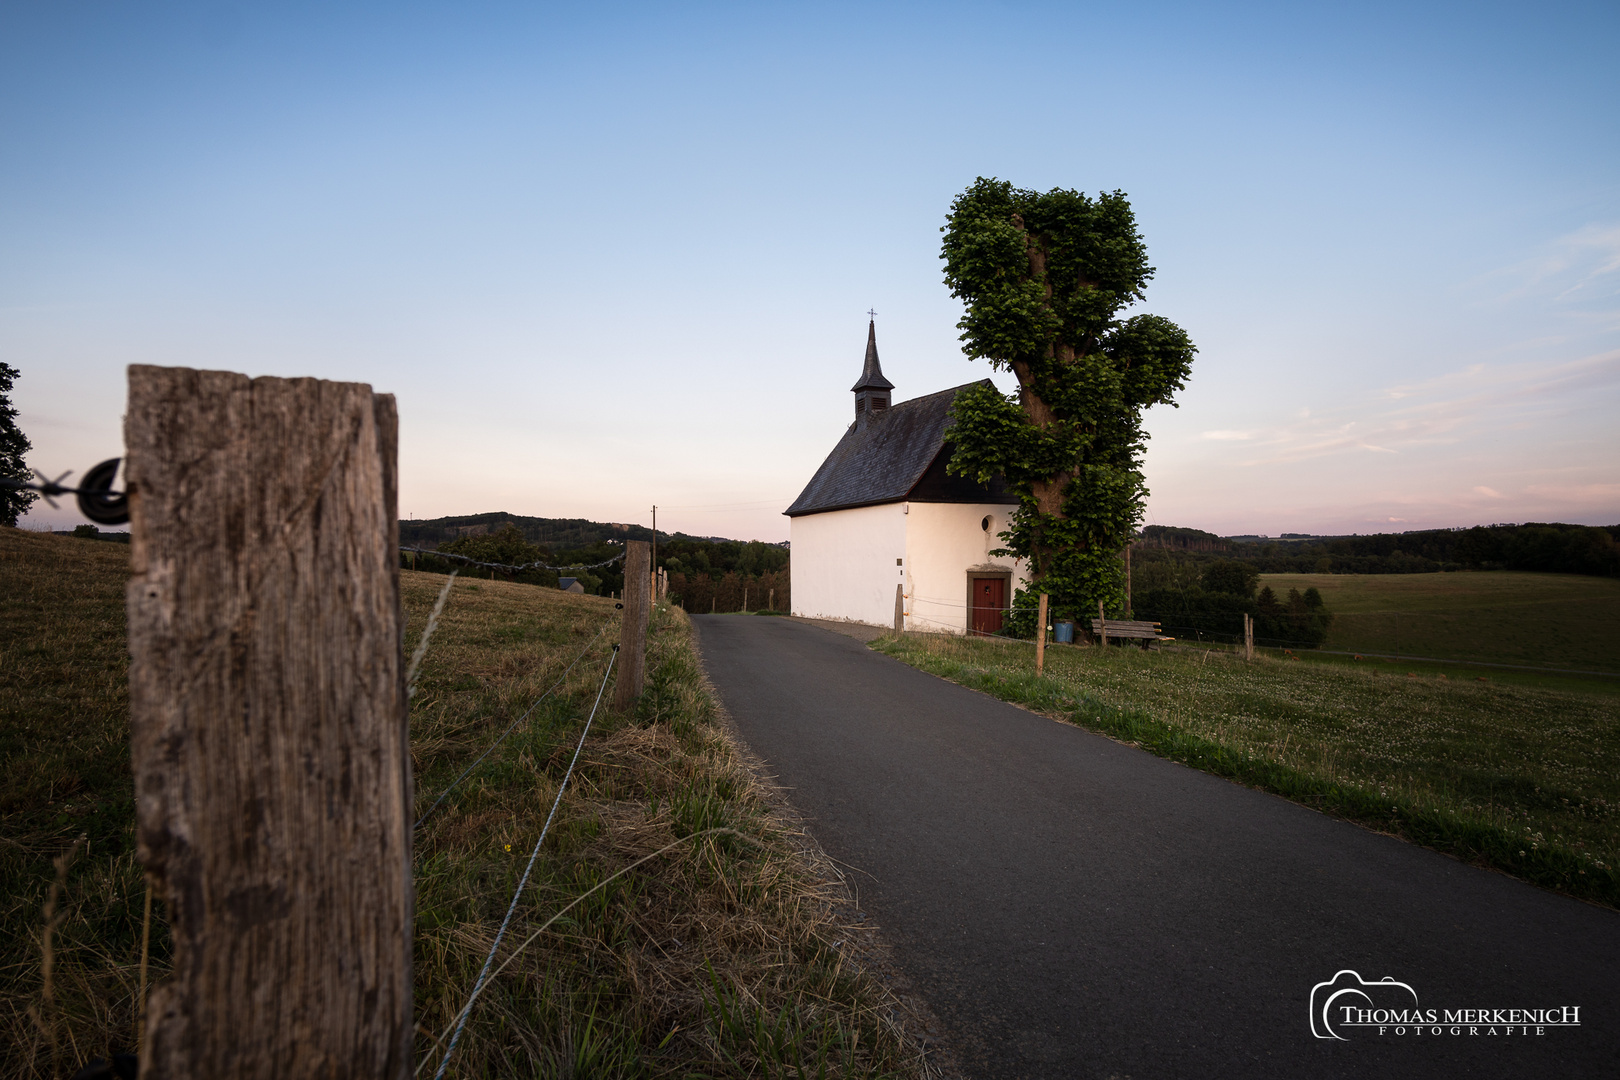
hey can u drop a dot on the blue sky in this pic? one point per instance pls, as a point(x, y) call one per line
point(613, 257)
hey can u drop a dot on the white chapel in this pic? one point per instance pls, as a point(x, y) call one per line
point(881, 532)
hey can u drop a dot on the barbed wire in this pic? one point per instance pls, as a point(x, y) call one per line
point(511, 567)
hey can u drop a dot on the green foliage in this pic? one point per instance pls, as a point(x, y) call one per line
point(1044, 278)
point(1177, 539)
point(13, 446)
point(507, 546)
point(1216, 614)
point(1230, 576)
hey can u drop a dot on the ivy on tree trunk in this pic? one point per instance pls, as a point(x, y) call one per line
point(1044, 278)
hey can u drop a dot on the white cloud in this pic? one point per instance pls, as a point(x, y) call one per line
point(1458, 407)
point(1489, 493)
point(1569, 268)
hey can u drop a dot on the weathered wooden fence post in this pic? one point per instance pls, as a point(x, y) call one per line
point(633, 625)
point(267, 724)
point(1040, 637)
point(899, 609)
point(1102, 623)
point(1248, 637)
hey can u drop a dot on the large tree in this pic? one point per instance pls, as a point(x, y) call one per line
point(1044, 278)
point(13, 445)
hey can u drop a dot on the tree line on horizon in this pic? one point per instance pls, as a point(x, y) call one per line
point(1550, 547)
point(1211, 606)
point(705, 572)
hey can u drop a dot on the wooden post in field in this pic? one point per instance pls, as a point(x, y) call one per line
point(771, 601)
point(745, 600)
point(1040, 637)
point(1248, 637)
point(899, 609)
point(1102, 623)
point(267, 723)
point(1128, 611)
point(633, 625)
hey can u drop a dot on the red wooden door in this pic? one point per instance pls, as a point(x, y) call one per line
point(989, 598)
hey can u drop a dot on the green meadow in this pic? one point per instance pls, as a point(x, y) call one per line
point(1521, 779)
point(1563, 621)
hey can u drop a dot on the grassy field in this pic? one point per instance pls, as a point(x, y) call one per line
point(673, 926)
point(1521, 779)
point(66, 807)
point(1501, 617)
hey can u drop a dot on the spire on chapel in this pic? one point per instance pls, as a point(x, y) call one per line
point(871, 389)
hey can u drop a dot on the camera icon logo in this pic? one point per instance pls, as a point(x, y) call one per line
point(1347, 1001)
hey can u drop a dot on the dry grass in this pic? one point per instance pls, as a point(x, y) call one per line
point(715, 958)
point(66, 790)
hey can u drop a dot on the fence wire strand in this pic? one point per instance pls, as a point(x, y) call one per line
point(513, 725)
point(427, 636)
point(509, 567)
point(483, 975)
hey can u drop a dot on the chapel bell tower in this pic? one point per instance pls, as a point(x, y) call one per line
point(871, 389)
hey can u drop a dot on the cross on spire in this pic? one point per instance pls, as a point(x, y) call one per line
point(870, 314)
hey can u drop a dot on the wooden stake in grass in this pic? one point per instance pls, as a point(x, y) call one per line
point(268, 724)
point(1102, 623)
point(140, 992)
point(1040, 637)
point(633, 625)
point(1248, 637)
point(899, 609)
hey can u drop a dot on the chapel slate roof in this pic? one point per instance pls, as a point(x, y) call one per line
point(887, 458)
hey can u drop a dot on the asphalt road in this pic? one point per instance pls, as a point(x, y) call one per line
point(1073, 907)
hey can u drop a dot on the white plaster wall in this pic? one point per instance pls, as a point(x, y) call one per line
point(843, 564)
point(944, 541)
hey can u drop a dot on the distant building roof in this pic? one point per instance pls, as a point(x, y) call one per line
point(897, 455)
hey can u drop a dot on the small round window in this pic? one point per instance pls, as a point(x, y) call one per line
point(985, 524)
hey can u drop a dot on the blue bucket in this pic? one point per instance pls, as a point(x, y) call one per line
point(1065, 633)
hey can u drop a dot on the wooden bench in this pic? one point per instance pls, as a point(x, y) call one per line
point(1145, 632)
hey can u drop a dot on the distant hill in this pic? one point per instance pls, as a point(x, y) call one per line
point(1545, 546)
point(559, 534)
point(1175, 539)
point(556, 533)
